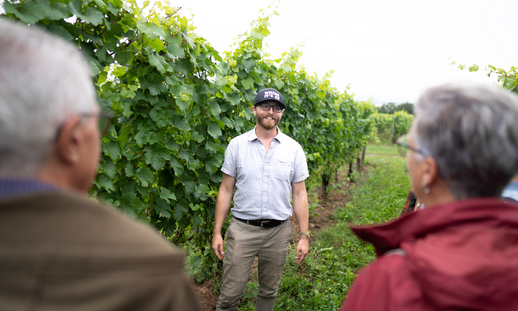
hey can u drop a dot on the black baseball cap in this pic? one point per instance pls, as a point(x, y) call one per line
point(269, 95)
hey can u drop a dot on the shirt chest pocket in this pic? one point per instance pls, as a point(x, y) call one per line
point(283, 170)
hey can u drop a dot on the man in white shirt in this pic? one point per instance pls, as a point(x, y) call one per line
point(265, 166)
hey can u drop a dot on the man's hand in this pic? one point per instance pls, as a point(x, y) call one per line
point(217, 246)
point(302, 249)
point(226, 190)
point(300, 208)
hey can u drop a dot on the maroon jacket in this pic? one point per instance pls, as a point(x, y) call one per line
point(459, 256)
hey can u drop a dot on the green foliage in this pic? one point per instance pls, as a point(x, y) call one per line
point(178, 103)
point(406, 106)
point(390, 108)
point(201, 264)
point(507, 78)
point(384, 122)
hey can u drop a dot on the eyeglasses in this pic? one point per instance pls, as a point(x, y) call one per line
point(104, 122)
point(403, 146)
point(266, 107)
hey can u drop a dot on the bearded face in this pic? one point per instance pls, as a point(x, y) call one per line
point(267, 119)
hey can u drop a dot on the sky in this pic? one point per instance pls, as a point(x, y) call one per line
point(386, 51)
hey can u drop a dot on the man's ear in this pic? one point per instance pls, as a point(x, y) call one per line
point(68, 141)
point(430, 171)
point(253, 110)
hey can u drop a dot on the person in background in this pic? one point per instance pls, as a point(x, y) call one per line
point(58, 249)
point(510, 193)
point(265, 166)
point(412, 203)
point(459, 252)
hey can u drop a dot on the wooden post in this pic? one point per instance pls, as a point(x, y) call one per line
point(325, 183)
point(350, 173)
point(394, 130)
point(363, 155)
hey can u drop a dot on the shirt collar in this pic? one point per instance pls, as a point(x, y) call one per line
point(10, 187)
point(253, 136)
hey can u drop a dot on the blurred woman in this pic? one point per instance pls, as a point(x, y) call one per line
point(461, 251)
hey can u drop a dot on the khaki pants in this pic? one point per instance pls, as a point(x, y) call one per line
point(244, 242)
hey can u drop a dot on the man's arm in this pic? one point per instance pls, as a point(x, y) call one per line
point(226, 190)
point(300, 207)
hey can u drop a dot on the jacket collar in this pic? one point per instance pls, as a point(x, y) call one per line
point(389, 236)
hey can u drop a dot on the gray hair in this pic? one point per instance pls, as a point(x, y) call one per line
point(43, 81)
point(472, 133)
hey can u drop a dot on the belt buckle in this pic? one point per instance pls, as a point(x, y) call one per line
point(264, 221)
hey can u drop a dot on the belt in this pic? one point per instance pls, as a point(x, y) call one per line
point(263, 223)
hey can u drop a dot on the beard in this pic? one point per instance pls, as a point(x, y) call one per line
point(267, 124)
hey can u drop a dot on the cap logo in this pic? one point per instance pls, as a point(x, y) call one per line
point(272, 94)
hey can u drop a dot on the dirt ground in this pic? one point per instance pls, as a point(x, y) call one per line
point(320, 218)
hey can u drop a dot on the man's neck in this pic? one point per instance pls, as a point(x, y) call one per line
point(264, 134)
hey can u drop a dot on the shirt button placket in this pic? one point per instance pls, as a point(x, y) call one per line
point(265, 189)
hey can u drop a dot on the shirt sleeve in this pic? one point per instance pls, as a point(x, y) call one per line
point(229, 165)
point(300, 166)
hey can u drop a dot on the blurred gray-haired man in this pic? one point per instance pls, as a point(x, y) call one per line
point(59, 250)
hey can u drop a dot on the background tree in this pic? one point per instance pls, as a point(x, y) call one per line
point(406, 106)
point(388, 108)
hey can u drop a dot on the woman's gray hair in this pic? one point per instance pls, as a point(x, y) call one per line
point(43, 81)
point(472, 133)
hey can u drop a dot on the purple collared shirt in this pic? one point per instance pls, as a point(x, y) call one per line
point(10, 187)
point(264, 180)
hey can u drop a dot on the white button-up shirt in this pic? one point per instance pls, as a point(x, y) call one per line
point(263, 180)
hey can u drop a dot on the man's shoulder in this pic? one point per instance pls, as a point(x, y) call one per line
point(287, 141)
point(77, 223)
point(90, 248)
point(242, 137)
point(241, 140)
point(286, 138)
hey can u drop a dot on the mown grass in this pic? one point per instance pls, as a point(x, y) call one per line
point(382, 149)
point(336, 255)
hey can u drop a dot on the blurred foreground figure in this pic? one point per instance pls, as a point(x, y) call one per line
point(460, 252)
point(510, 193)
point(58, 249)
point(412, 204)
